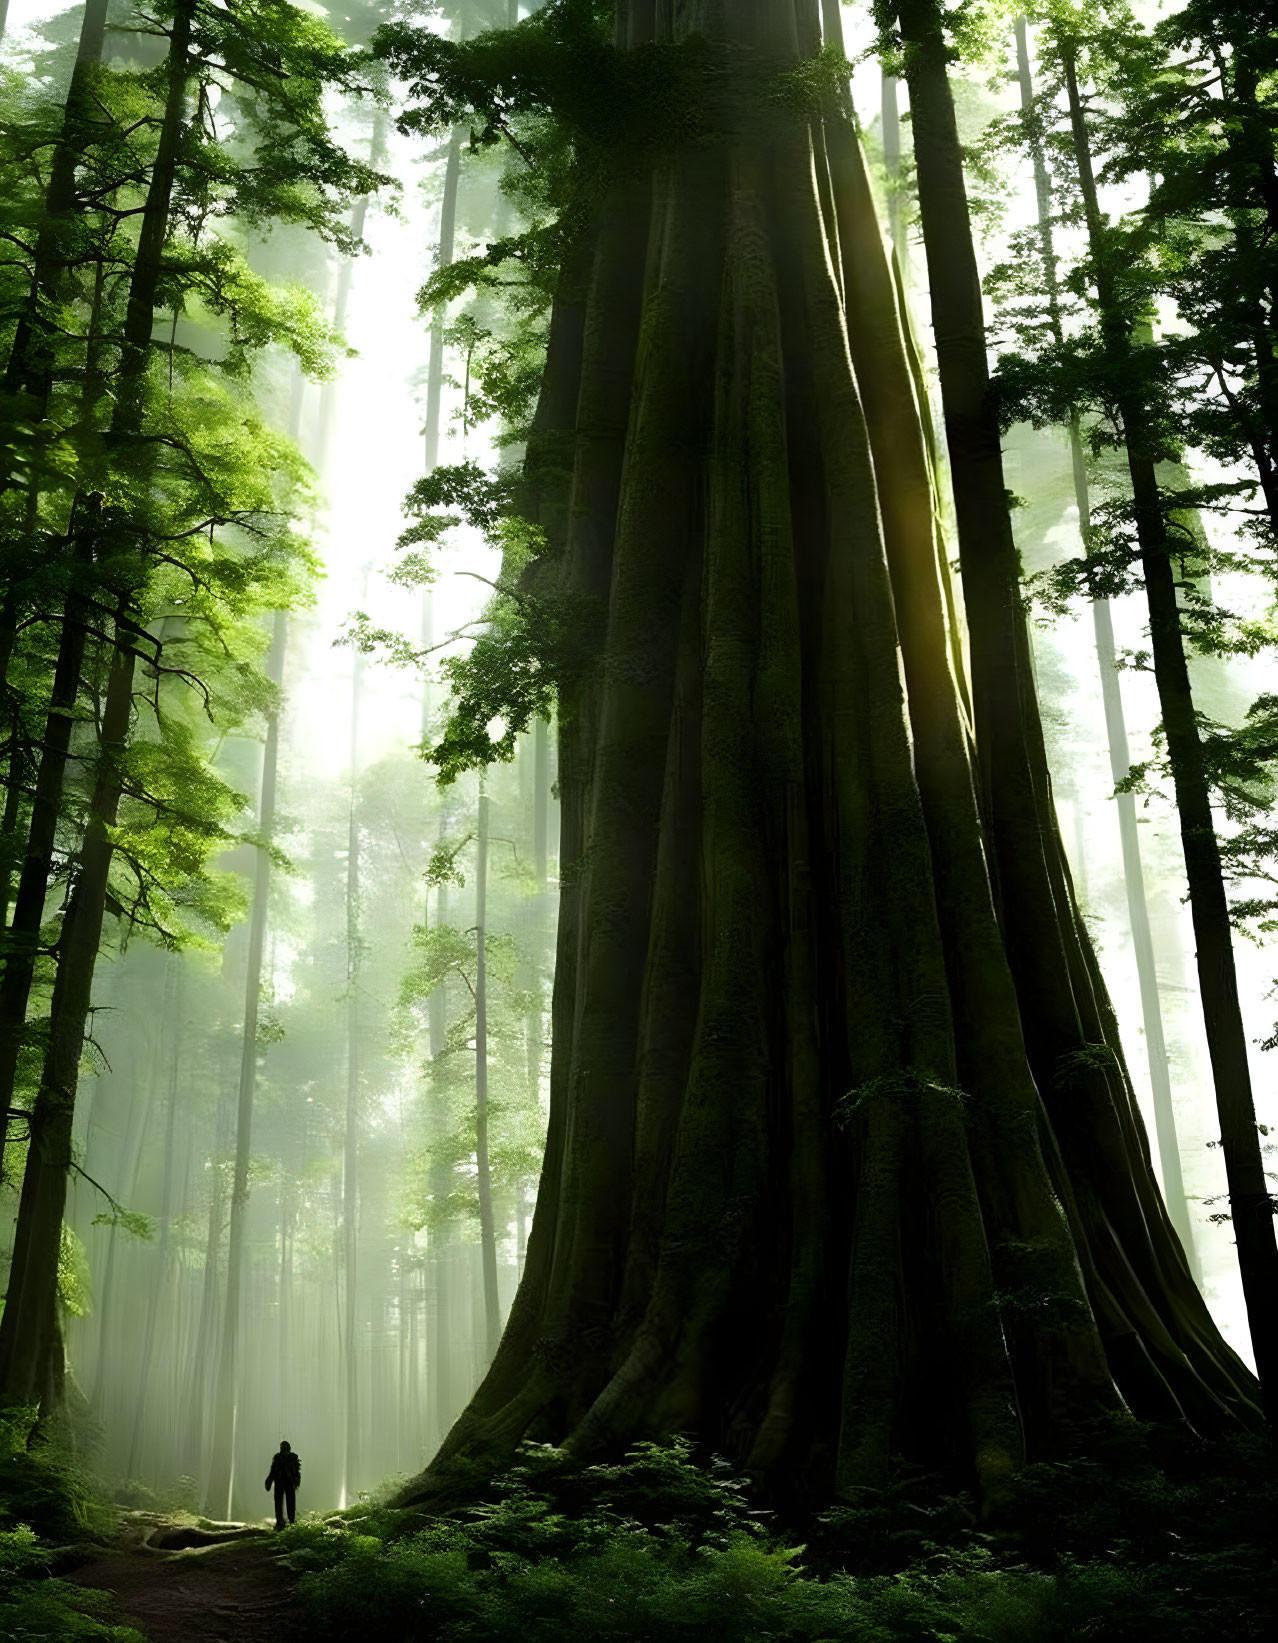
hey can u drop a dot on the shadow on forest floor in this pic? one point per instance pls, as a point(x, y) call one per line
point(195, 1583)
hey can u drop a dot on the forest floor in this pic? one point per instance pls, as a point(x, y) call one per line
point(178, 1583)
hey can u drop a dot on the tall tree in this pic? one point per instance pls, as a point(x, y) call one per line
point(1070, 1029)
point(1120, 761)
point(353, 1116)
point(222, 1457)
point(32, 1366)
point(801, 1194)
point(1250, 1201)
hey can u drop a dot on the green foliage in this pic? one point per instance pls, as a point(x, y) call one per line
point(535, 638)
point(132, 1222)
point(180, 1498)
point(75, 1294)
point(657, 1548)
point(44, 1498)
point(905, 1089)
point(1091, 1061)
point(34, 1607)
point(441, 1188)
point(45, 1481)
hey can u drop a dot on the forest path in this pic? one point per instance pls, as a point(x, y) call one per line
point(179, 1584)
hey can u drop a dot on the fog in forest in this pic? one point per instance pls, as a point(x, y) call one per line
point(337, 1105)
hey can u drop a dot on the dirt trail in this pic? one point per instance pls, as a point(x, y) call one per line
point(187, 1585)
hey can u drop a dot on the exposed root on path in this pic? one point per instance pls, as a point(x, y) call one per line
point(201, 1582)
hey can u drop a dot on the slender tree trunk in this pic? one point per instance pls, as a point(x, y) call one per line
point(288, 1222)
point(141, 1105)
point(440, 1245)
point(891, 115)
point(350, 1153)
point(443, 259)
point(31, 1366)
point(22, 937)
point(222, 1459)
point(207, 1333)
point(1116, 735)
point(172, 1018)
point(487, 1231)
point(1250, 1202)
point(415, 1410)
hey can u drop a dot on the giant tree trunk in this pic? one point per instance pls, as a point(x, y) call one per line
point(801, 1196)
point(1250, 1203)
point(222, 1458)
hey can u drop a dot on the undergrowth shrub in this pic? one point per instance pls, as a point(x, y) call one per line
point(48, 1497)
point(659, 1549)
point(46, 1480)
point(181, 1498)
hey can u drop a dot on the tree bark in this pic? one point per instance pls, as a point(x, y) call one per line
point(800, 1195)
point(1250, 1202)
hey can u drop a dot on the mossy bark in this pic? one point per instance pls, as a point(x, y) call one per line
point(802, 1196)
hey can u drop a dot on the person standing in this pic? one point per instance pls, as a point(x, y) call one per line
point(286, 1475)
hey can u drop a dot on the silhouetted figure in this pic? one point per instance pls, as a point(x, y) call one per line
point(285, 1474)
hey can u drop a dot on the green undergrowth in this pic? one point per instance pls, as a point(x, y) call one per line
point(180, 1500)
point(50, 1499)
point(1172, 1547)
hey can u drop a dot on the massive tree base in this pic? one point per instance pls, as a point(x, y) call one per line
point(843, 1163)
